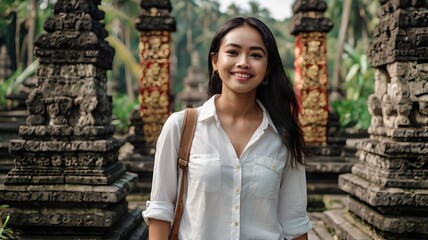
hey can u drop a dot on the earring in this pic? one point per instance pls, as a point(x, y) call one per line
point(266, 81)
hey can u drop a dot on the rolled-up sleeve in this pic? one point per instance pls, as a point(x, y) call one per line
point(293, 202)
point(164, 184)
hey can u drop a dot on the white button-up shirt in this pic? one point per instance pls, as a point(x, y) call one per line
point(255, 196)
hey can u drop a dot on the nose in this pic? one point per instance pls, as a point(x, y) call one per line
point(243, 62)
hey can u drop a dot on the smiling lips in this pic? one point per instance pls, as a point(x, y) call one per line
point(242, 76)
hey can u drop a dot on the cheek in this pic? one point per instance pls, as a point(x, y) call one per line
point(223, 61)
point(224, 64)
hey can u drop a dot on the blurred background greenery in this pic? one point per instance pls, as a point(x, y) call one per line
point(21, 22)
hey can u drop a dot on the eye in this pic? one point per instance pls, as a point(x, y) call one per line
point(232, 52)
point(256, 55)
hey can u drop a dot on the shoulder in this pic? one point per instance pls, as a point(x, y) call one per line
point(175, 120)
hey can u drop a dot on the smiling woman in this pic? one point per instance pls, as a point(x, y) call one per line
point(246, 176)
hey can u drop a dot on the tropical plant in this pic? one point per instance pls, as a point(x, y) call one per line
point(124, 38)
point(18, 77)
point(21, 22)
point(258, 11)
point(347, 63)
point(6, 233)
point(352, 110)
point(122, 107)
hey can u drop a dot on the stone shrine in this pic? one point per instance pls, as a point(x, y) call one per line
point(5, 63)
point(388, 187)
point(195, 89)
point(327, 155)
point(67, 182)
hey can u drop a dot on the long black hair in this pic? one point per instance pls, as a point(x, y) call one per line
point(277, 96)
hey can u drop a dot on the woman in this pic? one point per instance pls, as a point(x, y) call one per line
point(246, 174)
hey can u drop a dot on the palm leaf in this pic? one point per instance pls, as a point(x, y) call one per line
point(124, 55)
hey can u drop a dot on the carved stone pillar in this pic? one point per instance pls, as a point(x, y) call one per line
point(327, 156)
point(67, 181)
point(195, 91)
point(388, 187)
point(155, 25)
point(310, 28)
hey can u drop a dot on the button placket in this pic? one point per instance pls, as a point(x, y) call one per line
point(236, 199)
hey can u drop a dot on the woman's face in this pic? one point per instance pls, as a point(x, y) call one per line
point(241, 61)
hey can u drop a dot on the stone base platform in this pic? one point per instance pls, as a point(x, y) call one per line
point(388, 226)
point(75, 210)
point(319, 230)
point(346, 225)
point(376, 195)
point(343, 226)
point(130, 227)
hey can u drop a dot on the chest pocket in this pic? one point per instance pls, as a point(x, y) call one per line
point(266, 177)
point(205, 172)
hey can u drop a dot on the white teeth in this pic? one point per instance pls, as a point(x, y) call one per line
point(241, 75)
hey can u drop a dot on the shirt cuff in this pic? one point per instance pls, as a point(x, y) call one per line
point(297, 227)
point(158, 210)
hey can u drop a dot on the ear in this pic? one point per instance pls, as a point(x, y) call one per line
point(214, 60)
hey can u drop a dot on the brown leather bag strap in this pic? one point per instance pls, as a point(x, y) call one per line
point(189, 126)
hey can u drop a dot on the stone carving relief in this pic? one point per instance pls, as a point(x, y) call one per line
point(154, 82)
point(401, 34)
point(400, 96)
point(311, 85)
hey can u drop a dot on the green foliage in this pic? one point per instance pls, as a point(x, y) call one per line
point(358, 84)
point(6, 8)
point(9, 85)
point(124, 38)
point(122, 107)
point(355, 73)
point(352, 114)
point(3, 92)
point(6, 232)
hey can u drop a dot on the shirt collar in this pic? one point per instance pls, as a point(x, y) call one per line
point(207, 110)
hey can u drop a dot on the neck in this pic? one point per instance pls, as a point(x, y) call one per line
point(237, 105)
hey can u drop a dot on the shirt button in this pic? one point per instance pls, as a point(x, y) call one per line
point(236, 207)
point(237, 166)
point(236, 224)
point(237, 190)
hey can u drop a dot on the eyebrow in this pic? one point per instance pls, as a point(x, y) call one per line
point(251, 48)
